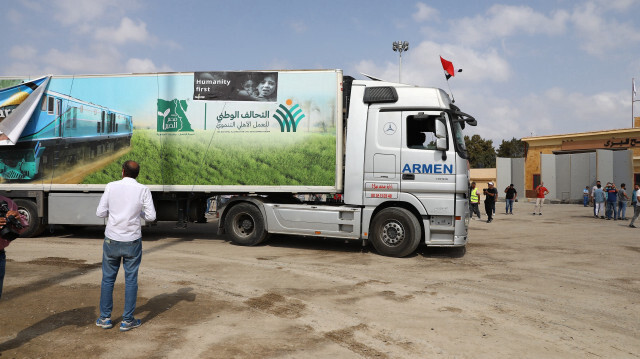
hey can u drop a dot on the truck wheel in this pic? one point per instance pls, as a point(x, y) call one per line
point(395, 232)
point(245, 225)
point(29, 209)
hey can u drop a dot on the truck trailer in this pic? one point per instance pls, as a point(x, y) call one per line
point(391, 156)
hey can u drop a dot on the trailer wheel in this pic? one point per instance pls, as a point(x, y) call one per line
point(29, 209)
point(245, 225)
point(395, 232)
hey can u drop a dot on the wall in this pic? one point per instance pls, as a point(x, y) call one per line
point(508, 171)
point(548, 172)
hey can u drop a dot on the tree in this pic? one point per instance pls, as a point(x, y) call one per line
point(481, 152)
point(513, 148)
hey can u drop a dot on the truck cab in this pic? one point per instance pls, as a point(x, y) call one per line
point(405, 181)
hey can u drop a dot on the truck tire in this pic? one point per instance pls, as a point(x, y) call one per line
point(29, 209)
point(245, 224)
point(395, 232)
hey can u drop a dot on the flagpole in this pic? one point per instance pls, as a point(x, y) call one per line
point(633, 89)
point(453, 100)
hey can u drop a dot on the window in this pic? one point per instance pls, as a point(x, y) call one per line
point(51, 106)
point(421, 132)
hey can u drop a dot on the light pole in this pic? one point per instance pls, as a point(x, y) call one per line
point(400, 46)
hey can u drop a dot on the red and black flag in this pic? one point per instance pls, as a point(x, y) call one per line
point(448, 68)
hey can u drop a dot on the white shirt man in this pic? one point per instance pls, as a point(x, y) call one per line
point(124, 202)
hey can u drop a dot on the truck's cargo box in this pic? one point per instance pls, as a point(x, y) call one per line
point(249, 131)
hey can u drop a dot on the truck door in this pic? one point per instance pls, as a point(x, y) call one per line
point(382, 156)
point(427, 172)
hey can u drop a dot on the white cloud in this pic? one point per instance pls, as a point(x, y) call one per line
point(599, 34)
point(13, 16)
point(77, 12)
point(299, 27)
point(505, 20)
point(24, 52)
point(425, 13)
point(97, 59)
point(71, 12)
point(135, 65)
point(128, 31)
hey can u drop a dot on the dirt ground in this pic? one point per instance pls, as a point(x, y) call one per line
point(560, 285)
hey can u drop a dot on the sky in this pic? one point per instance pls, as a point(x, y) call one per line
point(529, 68)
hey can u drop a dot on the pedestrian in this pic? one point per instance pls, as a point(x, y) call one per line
point(541, 191)
point(585, 196)
point(612, 199)
point(474, 201)
point(511, 196)
point(622, 202)
point(636, 204)
point(490, 195)
point(124, 202)
point(599, 197)
point(593, 191)
point(16, 224)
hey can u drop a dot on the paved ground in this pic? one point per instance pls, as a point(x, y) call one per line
point(561, 285)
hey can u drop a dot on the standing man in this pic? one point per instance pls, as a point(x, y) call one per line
point(612, 199)
point(622, 202)
point(541, 191)
point(585, 196)
point(124, 202)
point(474, 200)
point(599, 197)
point(490, 194)
point(511, 196)
point(593, 197)
point(9, 209)
point(636, 205)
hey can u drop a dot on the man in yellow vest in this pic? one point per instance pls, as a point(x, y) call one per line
point(474, 200)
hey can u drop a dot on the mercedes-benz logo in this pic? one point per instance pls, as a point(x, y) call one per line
point(389, 128)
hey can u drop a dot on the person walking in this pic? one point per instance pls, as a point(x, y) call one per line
point(490, 194)
point(612, 199)
point(511, 196)
point(621, 210)
point(124, 202)
point(585, 196)
point(9, 208)
point(474, 200)
point(636, 204)
point(541, 191)
point(599, 197)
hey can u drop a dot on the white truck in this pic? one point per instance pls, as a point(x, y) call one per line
point(392, 154)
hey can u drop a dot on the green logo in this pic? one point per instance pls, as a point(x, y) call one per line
point(288, 118)
point(172, 116)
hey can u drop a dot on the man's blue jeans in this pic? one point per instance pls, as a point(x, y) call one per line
point(509, 206)
point(585, 200)
point(130, 254)
point(622, 209)
point(611, 209)
point(3, 263)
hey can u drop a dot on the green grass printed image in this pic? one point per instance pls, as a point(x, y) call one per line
point(210, 158)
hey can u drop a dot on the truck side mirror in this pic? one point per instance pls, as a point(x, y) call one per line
point(441, 137)
point(441, 129)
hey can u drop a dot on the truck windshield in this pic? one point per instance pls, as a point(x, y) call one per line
point(458, 138)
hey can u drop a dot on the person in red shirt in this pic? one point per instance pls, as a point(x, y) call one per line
point(541, 191)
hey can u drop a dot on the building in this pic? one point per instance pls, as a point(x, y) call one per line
point(569, 162)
